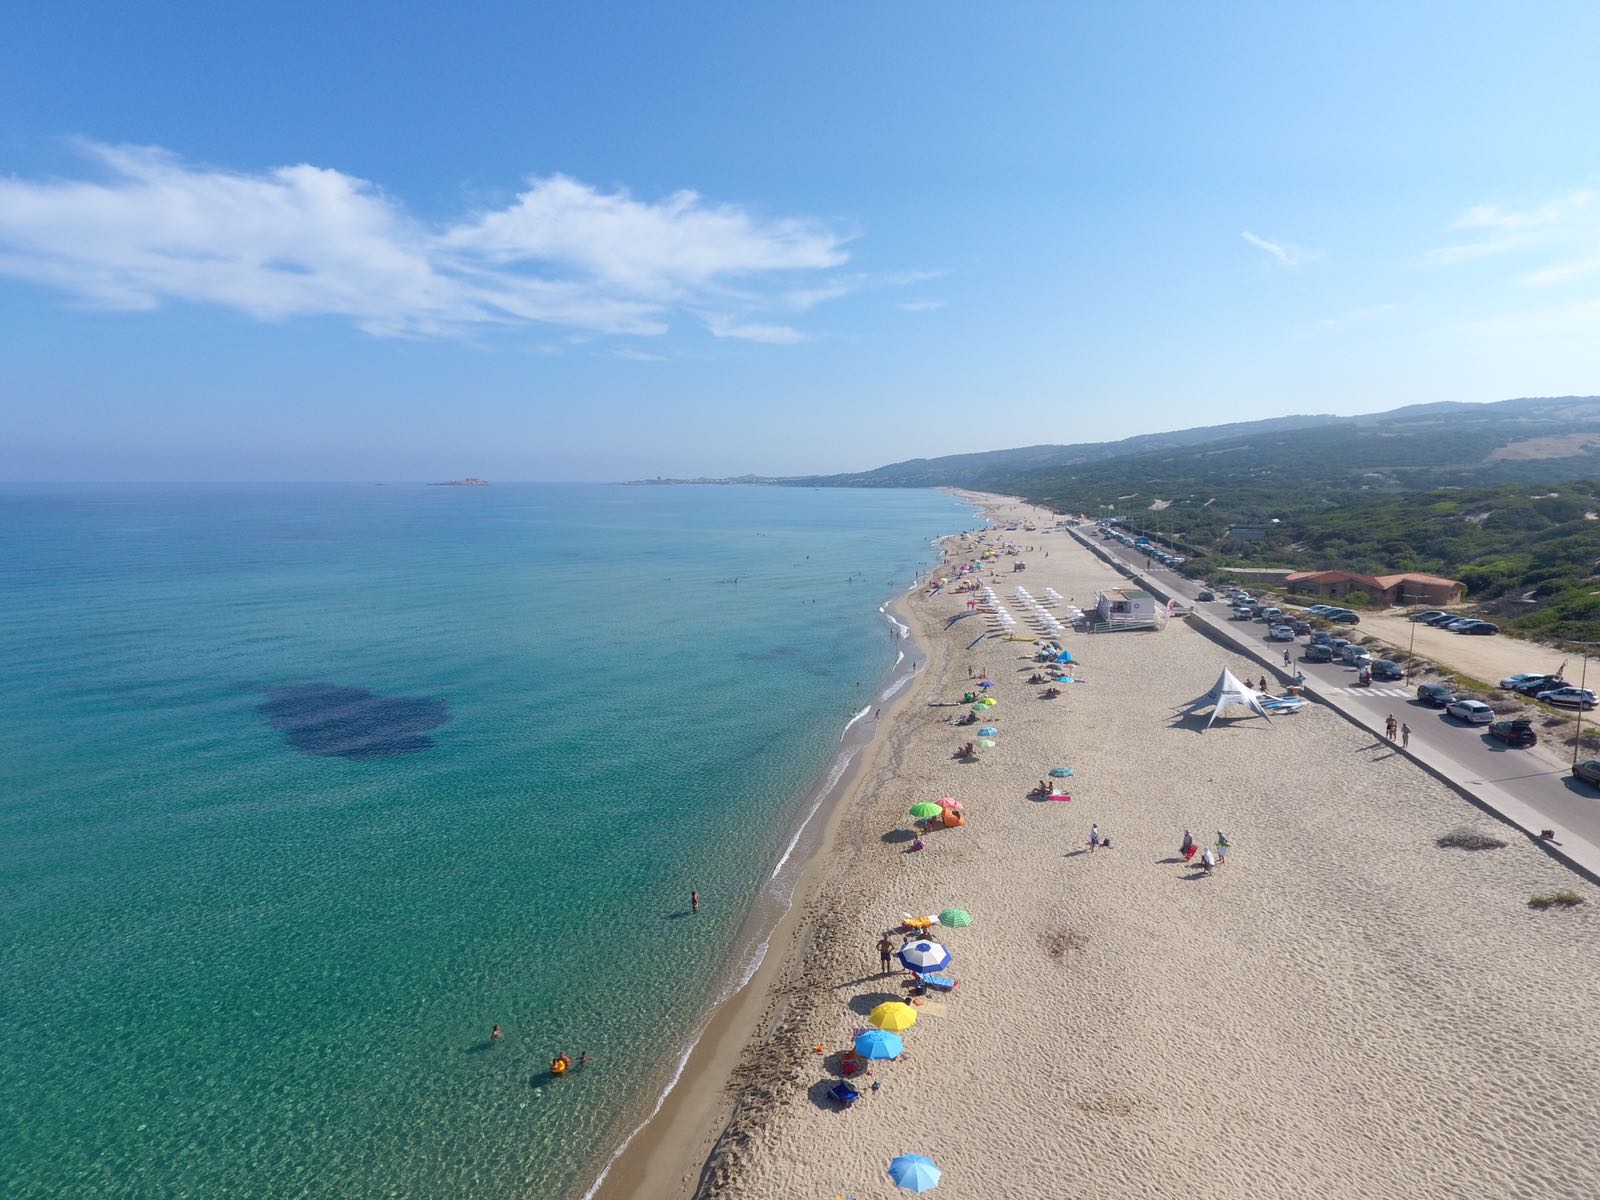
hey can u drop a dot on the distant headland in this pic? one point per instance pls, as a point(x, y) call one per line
point(469, 481)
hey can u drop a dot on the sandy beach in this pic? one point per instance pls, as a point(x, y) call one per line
point(1343, 1009)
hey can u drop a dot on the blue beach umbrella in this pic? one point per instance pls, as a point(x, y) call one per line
point(1061, 772)
point(879, 1043)
point(988, 731)
point(986, 683)
point(914, 1172)
point(925, 956)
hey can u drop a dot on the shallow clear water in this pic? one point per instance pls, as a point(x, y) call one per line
point(306, 788)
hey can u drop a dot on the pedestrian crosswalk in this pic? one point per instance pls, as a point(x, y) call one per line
point(1368, 691)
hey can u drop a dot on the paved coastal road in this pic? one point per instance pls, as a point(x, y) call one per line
point(1466, 754)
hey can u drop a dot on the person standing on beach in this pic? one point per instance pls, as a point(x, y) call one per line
point(1405, 735)
point(694, 902)
point(1208, 859)
point(1094, 838)
point(885, 953)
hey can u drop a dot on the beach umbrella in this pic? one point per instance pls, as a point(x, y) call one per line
point(879, 1043)
point(925, 956)
point(893, 1015)
point(951, 803)
point(914, 1173)
point(988, 731)
point(987, 743)
point(955, 918)
point(1061, 772)
point(926, 809)
point(986, 683)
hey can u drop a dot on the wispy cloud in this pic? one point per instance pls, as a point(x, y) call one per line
point(312, 241)
point(1490, 216)
point(724, 326)
point(1565, 225)
point(922, 305)
point(1283, 253)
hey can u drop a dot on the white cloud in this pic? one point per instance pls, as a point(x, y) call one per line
point(1564, 225)
point(724, 326)
point(1490, 216)
point(1282, 253)
point(922, 305)
point(310, 241)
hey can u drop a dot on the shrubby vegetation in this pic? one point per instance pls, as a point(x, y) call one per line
point(1448, 489)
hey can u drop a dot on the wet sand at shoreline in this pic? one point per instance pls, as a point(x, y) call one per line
point(1343, 1009)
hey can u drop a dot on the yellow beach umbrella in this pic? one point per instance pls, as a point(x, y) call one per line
point(893, 1015)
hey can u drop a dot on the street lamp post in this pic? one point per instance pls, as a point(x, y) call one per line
point(1583, 682)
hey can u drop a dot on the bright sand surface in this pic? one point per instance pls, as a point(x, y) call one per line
point(1489, 659)
point(1344, 1009)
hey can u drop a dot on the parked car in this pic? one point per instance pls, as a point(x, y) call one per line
point(1299, 627)
point(1321, 635)
point(1337, 645)
point(1512, 682)
point(1444, 618)
point(1534, 684)
point(1387, 668)
point(1518, 732)
point(1355, 656)
point(1318, 652)
point(1271, 613)
point(1241, 613)
point(1429, 615)
point(1280, 633)
point(1457, 625)
point(1473, 712)
point(1206, 594)
point(1345, 617)
point(1435, 695)
point(1588, 771)
point(1320, 610)
point(1483, 628)
point(1568, 697)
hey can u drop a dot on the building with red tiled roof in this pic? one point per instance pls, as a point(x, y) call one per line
point(1407, 588)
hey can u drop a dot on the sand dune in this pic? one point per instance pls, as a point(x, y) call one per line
point(1344, 1009)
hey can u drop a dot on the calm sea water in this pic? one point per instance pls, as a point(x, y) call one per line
point(306, 788)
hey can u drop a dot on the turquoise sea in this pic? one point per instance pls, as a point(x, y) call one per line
point(305, 788)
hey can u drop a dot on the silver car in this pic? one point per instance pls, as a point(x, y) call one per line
point(1473, 712)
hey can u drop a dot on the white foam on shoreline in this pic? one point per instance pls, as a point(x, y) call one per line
point(833, 778)
point(853, 720)
point(840, 766)
point(677, 1074)
point(897, 685)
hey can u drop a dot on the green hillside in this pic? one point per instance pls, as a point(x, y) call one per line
point(1493, 494)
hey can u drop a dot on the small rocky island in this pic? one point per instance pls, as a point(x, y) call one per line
point(469, 481)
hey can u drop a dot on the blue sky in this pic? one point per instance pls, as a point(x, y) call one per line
point(608, 240)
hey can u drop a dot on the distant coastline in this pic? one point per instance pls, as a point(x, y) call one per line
point(469, 481)
point(733, 479)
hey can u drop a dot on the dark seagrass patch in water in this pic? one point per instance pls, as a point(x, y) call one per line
point(328, 721)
